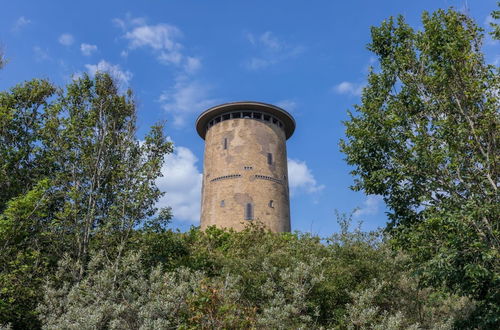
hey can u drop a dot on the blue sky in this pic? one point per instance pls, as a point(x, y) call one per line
point(181, 57)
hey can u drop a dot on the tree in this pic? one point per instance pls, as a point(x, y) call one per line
point(21, 155)
point(104, 178)
point(73, 176)
point(425, 137)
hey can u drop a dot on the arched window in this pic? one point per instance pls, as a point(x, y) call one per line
point(249, 211)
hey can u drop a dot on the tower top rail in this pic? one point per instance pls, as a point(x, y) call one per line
point(206, 116)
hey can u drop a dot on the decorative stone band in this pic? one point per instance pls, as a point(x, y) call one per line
point(224, 177)
point(269, 178)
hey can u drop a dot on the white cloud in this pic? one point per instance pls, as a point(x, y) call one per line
point(186, 98)
point(66, 39)
point(182, 183)
point(122, 77)
point(349, 88)
point(162, 39)
point(20, 23)
point(259, 63)
point(371, 206)
point(88, 49)
point(128, 21)
point(270, 49)
point(159, 37)
point(41, 54)
point(300, 177)
point(270, 41)
point(192, 64)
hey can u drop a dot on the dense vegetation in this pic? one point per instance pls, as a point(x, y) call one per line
point(82, 245)
point(426, 138)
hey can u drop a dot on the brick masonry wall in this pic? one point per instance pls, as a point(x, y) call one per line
point(241, 174)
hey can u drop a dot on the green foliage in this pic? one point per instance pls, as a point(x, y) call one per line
point(21, 155)
point(425, 137)
point(496, 27)
point(73, 176)
point(105, 178)
point(250, 279)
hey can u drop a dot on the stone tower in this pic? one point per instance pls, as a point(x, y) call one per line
point(245, 175)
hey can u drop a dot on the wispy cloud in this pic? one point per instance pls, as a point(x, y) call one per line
point(182, 183)
point(188, 95)
point(88, 49)
point(270, 50)
point(122, 77)
point(66, 39)
point(371, 206)
point(300, 178)
point(162, 39)
point(41, 54)
point(348, 88)
point(20, 23)
point(185, 98)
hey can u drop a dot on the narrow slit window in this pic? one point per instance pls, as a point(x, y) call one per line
point(222, 203)
point(249, 211)
point(270, 158)
point(271, 204)
point(224, 143)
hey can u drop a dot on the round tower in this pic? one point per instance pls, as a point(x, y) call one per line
point(245, 174)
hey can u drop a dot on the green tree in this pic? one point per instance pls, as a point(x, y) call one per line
point(74, 177)
point(496, 27)
point(21, 154)
point(104, 177)
point(425, 137)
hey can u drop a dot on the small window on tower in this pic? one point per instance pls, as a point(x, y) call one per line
point(271, 204)
point(249, 211)
point(270, 158)
point(224, 143)
point(222, 203)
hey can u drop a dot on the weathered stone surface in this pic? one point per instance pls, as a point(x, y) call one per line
point(240, 174)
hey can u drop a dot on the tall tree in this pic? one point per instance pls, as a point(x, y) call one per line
point(21, 155)
point(425, 137)
point(73, 176)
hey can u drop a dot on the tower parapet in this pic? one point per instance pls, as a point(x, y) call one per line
point(245, 175)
